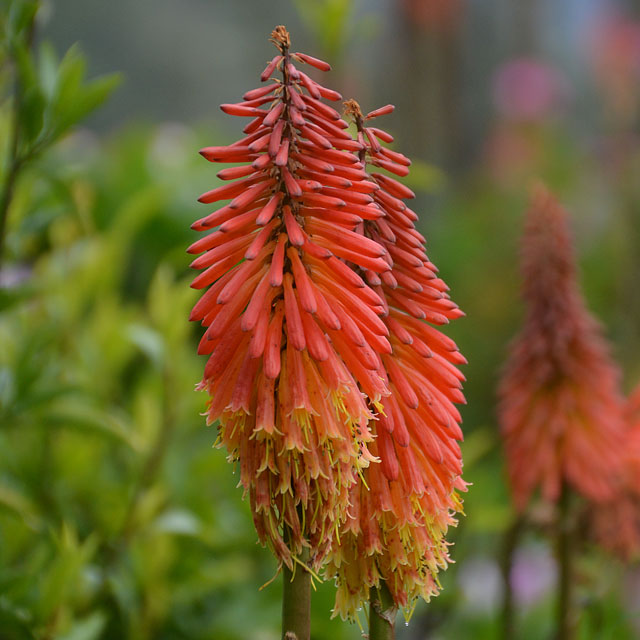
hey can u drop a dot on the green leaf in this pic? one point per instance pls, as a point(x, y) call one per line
point(48, 69)
point(22, 13)
point(32, 113)
point(74, 102)
point(63, 578)
point(16, 503)
point(72, 99)
point(70, 75)
point(92, 95)
point(79, 414)
point(88, 628)
point(14, 621)
point(11, 296)
point(149, 342)
point(31, 100)
point(24, 63)
point(99, 89)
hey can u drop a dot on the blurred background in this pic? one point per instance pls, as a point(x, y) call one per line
point(117, 518)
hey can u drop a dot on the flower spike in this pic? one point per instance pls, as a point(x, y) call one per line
point(293, 343)
point(616, 523)
point(401, 511)
point(560, 408)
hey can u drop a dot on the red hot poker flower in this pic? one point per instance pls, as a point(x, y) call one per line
point(293, 333)
point(396, 532)
point(616, 523)
point(633, 422)
point(560, 409)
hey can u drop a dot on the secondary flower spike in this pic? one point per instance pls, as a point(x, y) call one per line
point(401, 512)
point(292, 332)
point(560, 409)
point(616, 523)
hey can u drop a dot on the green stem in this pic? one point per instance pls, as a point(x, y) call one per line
point(382, 614)
point(14, 163)
point(510, 544)
point(153, 463)
point(296, 602)
point(13, 169)
point(566, 615)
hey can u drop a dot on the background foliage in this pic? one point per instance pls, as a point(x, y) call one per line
point(117, 519)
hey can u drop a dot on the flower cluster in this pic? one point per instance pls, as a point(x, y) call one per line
point(328, 387)
point(616, 523)
point(292, 331)
point(400, 513)
point(560, 409)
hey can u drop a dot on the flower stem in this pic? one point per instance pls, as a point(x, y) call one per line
point(12, 162)
point(6, 194)
point(296, 602)
point(382, 614)
point(566, 616)
point(510, 544)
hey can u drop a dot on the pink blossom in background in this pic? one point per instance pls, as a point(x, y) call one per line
point(525, 92)
point(525, 89)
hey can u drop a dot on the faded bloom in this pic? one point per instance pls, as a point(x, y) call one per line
point(292, 332)
point(400, 512)
point(434, 14)
point(560, 410)
point(615, 54)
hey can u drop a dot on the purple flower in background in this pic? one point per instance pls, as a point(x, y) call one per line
point(533, 574)
point(525, 89)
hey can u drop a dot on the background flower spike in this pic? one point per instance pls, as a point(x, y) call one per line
point(560, 406)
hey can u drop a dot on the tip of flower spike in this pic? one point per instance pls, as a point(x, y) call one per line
point(352, 108)
point(280, 37)
point(538, 190)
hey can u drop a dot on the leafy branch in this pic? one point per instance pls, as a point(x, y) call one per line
point(47, 97)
